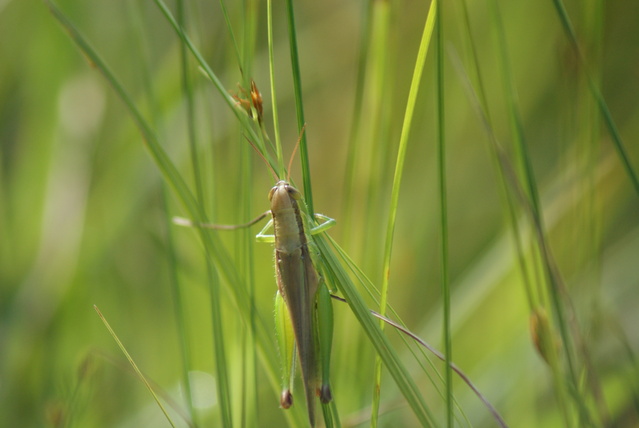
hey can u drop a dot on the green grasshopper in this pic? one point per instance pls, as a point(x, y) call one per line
point(307, 322)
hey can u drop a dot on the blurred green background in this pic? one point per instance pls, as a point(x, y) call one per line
point(83, 223)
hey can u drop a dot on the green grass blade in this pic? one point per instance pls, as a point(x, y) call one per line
point(526, 191)
point(135, 366)
point(391, 361)
point(559, 297)
point(229, 27)
point(445, 285)
point(271, 69)
point(249, 24)
point(187, 90)
point(477, 95)
point(249, 405)
point(299, 106)
point(399, 168)
point(596, 93)
point(221, 365)
point(508, 178)
point(179, 307)
point(354, 144)
point(176, 290)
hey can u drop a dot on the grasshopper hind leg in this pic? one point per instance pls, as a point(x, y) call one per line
point(324, 332)
point(286, 345)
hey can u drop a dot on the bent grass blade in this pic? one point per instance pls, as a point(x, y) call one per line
point(440, 356)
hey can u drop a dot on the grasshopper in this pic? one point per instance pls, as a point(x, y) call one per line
point(303, 311)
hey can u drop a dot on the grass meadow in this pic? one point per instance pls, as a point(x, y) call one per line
point(480, 159)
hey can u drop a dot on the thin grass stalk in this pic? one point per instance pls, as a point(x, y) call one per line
point(480, 105)
point(404, 381)
point(271, 69)
point(219, 343)
point(378, 89)
point(371, 87)
point(595, 24)
point(507, 176)
point(137, 370)
point(596, 93)
point(443, 200)
point(299, 106)
point(380, 111)
point(528, 180)
point(187, 90)
point(247, 259)
point(556, 289)
point(229, 27)
point(397, 178)
point(335, 420)
point(528, 196)
point(354, 143)
point(506, 172)
point(249, 403)
point(477, 74)
point(248, 44)
point(183, 336)
point(172, 264)
point(587, 111)
point(478, 98)
point(178, 305)
point(477, 95)
point(521, 150)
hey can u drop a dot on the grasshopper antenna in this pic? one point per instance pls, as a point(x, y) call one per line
point(297, 145)
point(263, 158)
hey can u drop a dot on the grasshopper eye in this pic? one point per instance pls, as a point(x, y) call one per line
point(271, 192)
point(293, 192)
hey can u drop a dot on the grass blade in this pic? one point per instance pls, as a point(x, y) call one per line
point(271, 69)
point(385, 350)
point(135, 366)
point(299, 106)
point(399, 167)
point(596, 93)
point(445, 285)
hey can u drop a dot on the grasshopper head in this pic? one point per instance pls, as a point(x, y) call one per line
point(281, 195)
